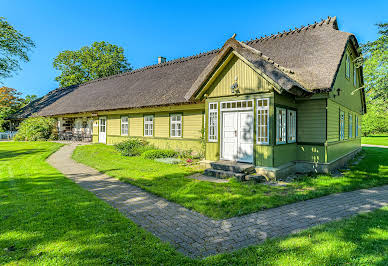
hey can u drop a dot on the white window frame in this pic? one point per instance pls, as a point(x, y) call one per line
point(347, 66)
point(291, 126)
point(356, 126)
point(213, 127)
point(354, 75)
point(175, 124)
point(237, 105)
point(281, 126)
point(150, 126)
point(261, 113)
point(350, 126)
point(123, 124)
point(342, 125)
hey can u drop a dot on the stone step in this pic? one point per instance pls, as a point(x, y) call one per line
point(223, 174)
point(233, 167)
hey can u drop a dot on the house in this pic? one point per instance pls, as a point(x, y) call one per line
point(290, 102)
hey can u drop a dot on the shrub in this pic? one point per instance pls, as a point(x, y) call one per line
point(154, 154)
point(133, 147)
point(37, 128)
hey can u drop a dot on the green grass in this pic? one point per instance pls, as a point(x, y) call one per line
point(233, 198)
point(49, 220)
point(375, 140)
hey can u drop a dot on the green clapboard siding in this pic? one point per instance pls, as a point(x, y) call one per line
point(346, 99)
point(311, 153)
point(311, 124)
point(264, 155)
point(284, 100)
point(284, 153)
point(248, 80)
point(339, 149)
point(333, 121)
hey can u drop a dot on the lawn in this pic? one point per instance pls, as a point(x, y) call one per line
point(47, 219)
point(233, 198)
point(375, 140)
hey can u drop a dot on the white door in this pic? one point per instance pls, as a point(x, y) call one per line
point(102, 130)
point(245, 137)
point(237, 136)
point(229, 136)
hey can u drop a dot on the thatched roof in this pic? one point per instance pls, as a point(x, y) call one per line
point(307, 58)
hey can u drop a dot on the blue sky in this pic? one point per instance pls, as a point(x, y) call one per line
point(148, 29)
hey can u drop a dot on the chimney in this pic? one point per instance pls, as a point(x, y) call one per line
point(161, 60)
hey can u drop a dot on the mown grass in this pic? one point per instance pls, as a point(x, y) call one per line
point(375, 140)
point(46, 219)
point(234, 198)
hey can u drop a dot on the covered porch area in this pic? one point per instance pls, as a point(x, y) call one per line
point(75, 129)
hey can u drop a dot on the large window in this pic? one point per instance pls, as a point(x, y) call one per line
point(356, 125)
point(148, 125)
point(263, 121)
point(342, 125)
point(350, 126)
point(124, 125)
point(213, 122)
point(347, 66)
point(176, 125)
point(291, 127)
point(280, 125)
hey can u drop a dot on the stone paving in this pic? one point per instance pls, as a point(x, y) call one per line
point(196, 235)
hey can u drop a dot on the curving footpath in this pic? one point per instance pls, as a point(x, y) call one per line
point(196, 235)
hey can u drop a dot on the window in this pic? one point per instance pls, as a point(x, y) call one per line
point(354, 75)
point(263, 121)
point(342, 125)
point(176, 125)
point(124, 125)
point(291, 127)
point(356, 126)
point(148, 125)
point(241, 105)
point(213, 122)
point(350, 126)
point(347, 66)
point(280, 125)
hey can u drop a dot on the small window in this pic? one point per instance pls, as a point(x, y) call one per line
point(347, 66)
point(148, 125)
point(124, 125)
point(176, 126)
point(291, 127)
point(350, 126)
point(356, 125)
point(213, 122)
point(354, 75)
point(263, 121)
point(342, 125)
point(280, 126)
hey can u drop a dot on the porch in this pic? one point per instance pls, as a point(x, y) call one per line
point(75, 129)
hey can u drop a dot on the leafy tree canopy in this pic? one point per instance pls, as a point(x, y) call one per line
point(376, 67)
point(14, 47)
point(99, 60)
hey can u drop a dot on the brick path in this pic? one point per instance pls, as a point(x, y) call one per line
point(197, 235)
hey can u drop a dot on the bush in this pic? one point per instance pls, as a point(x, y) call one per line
point(37, 128)
point(133, 147)
point(375, 121)
point(154, 154)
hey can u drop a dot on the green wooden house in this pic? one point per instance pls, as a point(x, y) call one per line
point(290, 102)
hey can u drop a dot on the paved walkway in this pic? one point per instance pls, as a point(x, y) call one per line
point(197, 235)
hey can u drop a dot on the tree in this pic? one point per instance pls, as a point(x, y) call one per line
point(14, 47)
point(29, 98)
point(99, 60)
point(10, 102)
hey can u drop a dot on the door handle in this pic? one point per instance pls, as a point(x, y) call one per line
point(235, 133)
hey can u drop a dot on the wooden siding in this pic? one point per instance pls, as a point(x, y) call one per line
point(113, 125)
point(136, 125)
point(284, 153)
point(285, 100)
point(333, 121)
point(192, 124)
point(336, 150)
point(212, 151)
point(264, 155)
point(346, 99)
point(311, 121)
point(161, 125)
point(311, 153)
point(249, 81)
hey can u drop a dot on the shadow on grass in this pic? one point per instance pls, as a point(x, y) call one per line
point(8, 154)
